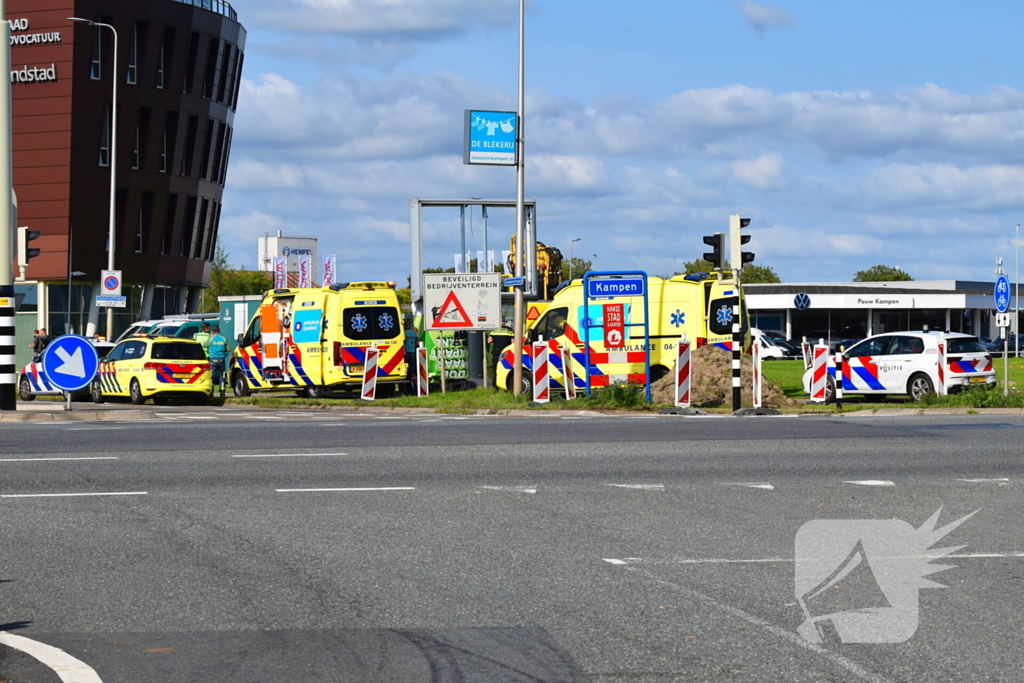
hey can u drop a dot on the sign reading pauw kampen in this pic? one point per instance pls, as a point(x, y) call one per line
point(470, 301)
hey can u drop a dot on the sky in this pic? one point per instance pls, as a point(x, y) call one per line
point(851, 132)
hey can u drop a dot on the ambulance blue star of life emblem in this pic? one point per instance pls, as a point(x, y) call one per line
point(358, 322)
point(724, 315)
point(678, 318)
point(386, 322)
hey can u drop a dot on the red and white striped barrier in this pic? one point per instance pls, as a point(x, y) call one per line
point(567, 374)
point(541, 376)
point(940, 387)
point(422, 375)
point(756, 353)
point(839, 363)
point(369, 391)
point(819, 373)
point(683, 373)
point(805, 349)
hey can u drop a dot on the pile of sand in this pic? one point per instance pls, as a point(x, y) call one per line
point(711, 382)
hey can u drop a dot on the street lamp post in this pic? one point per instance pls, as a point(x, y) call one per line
point(112, 160)
point(570, 256)
point(1016, 296)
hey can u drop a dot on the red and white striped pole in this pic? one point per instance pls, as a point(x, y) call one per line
point(943, 363)
point(567, 374)
point(422, 376)
point(541, 376)
point(756, 357)
point(819, 373)
point(683, 373)
point(369, 391)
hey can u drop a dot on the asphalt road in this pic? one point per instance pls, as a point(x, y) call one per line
point(493, 549)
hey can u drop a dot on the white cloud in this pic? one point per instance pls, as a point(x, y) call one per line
point(764, 173)
point(946, 185)
point(763, 17)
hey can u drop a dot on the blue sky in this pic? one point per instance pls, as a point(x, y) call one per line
point(852, 133)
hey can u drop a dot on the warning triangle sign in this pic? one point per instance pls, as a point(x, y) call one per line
point(456, 319)
point(533, 313)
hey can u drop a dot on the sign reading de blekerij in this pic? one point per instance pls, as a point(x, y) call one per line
point(490, 138)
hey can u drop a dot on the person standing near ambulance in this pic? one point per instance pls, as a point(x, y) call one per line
point(203, 337)
point(217, 352)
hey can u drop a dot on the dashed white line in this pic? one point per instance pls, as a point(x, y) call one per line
point(871, 482)
point(286, 455)
point(517, 489)
point(640, 487)
point(69, 495)
point(776, 560)
point(766, 487)
point(67, 668)
point(368, 488)
point(983, 481)
point(98, 457)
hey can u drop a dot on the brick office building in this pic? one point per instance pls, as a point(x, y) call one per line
point(178, 68)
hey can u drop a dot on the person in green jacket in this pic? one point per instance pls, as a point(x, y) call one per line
point(203, 337)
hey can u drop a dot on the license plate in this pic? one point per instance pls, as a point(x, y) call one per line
point(354, 369)
point(976, 380)
point(182, 375)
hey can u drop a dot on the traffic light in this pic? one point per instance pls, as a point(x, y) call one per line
point(25, 253)
point(717, 255)
point(736, 241)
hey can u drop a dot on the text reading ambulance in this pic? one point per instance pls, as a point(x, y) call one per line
point(699, 305)
point(315, 340)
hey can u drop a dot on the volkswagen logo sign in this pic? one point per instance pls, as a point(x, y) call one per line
point(802, 302)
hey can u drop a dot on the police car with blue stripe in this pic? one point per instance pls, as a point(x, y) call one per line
point(33, 381)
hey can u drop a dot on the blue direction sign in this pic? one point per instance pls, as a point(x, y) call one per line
point(490, 138)
point(621, 286)
point(514, 282)
point(1001, 294)
point(70, 362)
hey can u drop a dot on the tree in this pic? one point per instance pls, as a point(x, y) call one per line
point(580, 267)
point(697, 266)
point(882, 273)
point(755, 274)
point(224, 281)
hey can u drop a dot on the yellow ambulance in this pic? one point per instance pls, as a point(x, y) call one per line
point(699, 305)
point(314, 340)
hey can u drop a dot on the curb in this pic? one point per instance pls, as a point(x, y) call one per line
point(76, 415)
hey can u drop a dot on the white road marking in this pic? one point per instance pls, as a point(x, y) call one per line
point(67, 668)
point(517, 489)
point(66, 495)
point(286, 455)
point(641, 487)
point(98, 457)
point(781, 633)
point(377, 488)
point(982, 481)
point(93, 429)
point(871, 482)
point(774, 560)
point(766, 487)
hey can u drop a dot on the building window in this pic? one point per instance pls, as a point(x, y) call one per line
point(163, 153)
point(238, 80)
point(204, 169)
point(190, 145)
point(190, 65)
point(160, 69)
point(135, 150)
point(105, 138)
point(201, 228)
point(222, 77)
point(218, 153)
point(188, 226)
point(132, 74)
point(169, 215)
point(210, 79)
point(138, 232)
point(227, 153)
point(95, 70)
point(214, 229)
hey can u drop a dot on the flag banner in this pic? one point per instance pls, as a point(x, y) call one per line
point(280, 273)
point(481, 263)
point(459, 266)
point(330, 267)
point(305, 276)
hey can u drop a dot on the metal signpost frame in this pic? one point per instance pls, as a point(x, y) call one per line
point(585, 323)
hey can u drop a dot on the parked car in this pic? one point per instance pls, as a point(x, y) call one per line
point(833, 339)
point(773, 349)
point(33, 380)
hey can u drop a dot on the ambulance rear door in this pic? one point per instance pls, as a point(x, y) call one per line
point(307, 339)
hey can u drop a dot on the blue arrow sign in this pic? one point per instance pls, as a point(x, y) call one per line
point(70, 362)
point(1001, 294)
point(621, 286)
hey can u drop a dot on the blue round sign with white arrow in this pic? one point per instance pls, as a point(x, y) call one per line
point(70, 362)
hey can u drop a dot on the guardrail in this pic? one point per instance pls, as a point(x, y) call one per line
point(219, 6)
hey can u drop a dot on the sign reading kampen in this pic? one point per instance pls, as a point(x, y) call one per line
point(632, 286)
point(462, 302)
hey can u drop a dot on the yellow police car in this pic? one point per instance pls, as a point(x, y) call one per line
point(159, 368)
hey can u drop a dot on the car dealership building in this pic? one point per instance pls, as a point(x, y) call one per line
point(861, 309)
